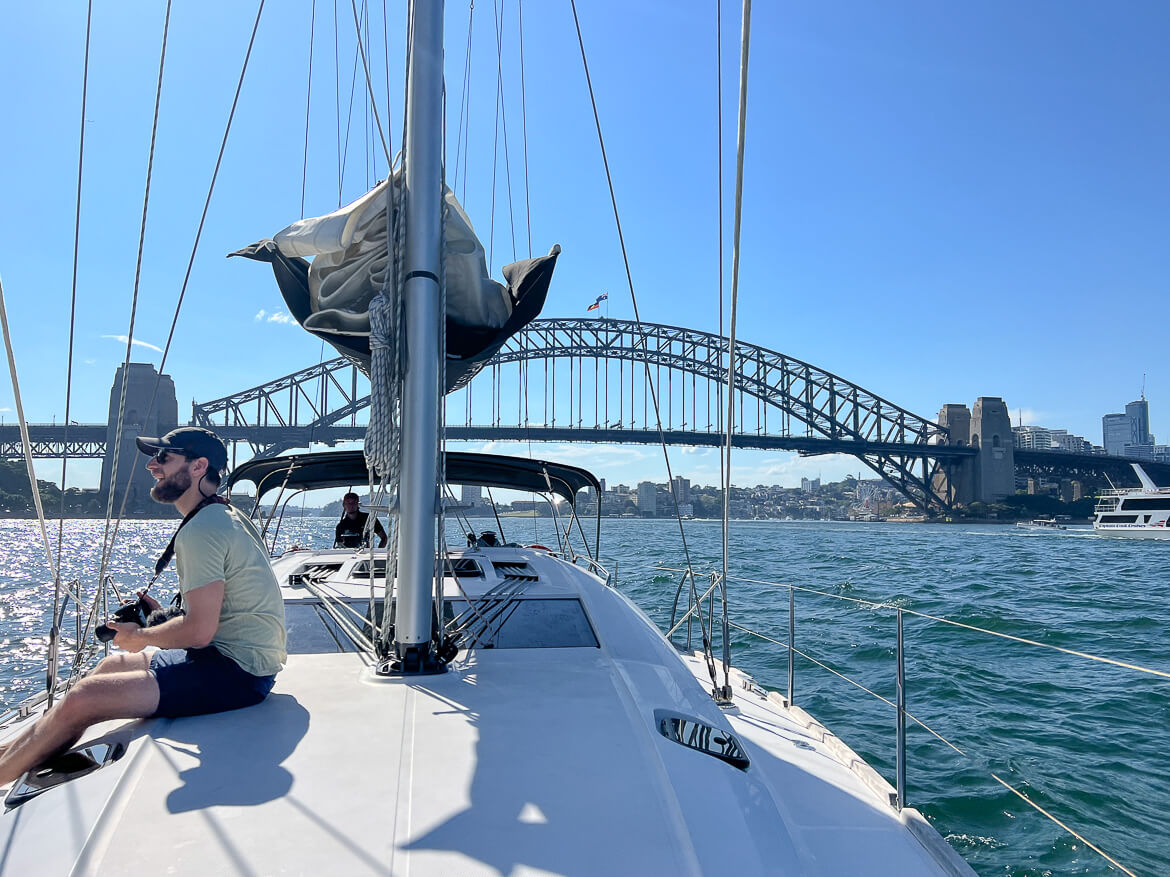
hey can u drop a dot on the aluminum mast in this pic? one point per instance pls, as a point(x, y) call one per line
point(418, 485)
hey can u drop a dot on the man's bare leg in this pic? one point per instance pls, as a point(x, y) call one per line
point(97, 698)
point(122, 662)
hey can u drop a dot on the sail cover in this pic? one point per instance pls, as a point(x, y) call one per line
point(330, 295)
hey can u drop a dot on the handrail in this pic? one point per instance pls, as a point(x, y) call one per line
point(900, 706)
point(870, 604)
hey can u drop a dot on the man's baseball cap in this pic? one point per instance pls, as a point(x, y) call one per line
point(191, 441)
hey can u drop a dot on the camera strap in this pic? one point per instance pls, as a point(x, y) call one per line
point(164, 559)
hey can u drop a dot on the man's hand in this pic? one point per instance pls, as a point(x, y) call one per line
point(152, 604)
point(129, 636)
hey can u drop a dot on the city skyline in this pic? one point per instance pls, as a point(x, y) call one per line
point(939, 202)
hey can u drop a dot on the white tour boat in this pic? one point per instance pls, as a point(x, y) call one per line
point(1135, 512)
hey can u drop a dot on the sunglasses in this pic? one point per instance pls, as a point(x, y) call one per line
point(165, 454)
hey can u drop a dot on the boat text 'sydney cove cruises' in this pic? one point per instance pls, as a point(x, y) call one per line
point(1136, 512)
point(486, 709)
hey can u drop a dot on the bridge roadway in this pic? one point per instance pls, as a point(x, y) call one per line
point(88, 441)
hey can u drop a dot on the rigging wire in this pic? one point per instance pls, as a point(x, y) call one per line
point(337, 100)
point(369, 80)
point(308, 101)
point(28, 460)
point(501, 121)
point(524, 123)
point(741, 133)
point(190, 267)
point(719, 196)
point(54, 631)
point(108, 544)
point(386, 64)
point(348, 120)
point(638, 320)
point(462, 133)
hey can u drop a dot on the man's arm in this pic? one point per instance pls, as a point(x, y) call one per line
point(381, 533)
point(194, 630)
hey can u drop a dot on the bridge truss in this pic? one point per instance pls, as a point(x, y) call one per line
point(587, 380)
point(307, 406)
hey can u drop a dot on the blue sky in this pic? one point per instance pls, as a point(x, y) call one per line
point(942, 200)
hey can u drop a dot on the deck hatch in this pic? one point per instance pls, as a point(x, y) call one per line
point(514, 622)
point(464, 568)
point(698, 735)
point(361, 569)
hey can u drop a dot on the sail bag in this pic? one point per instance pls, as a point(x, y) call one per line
point(350, 259)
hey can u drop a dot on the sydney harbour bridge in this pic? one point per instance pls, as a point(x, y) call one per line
point(600, 381)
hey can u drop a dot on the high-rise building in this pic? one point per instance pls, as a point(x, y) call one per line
point(1139, 422)
point(682, 489)
point(810, 485)
point(1128, 434)
point(647, 499)
point(1115, 434)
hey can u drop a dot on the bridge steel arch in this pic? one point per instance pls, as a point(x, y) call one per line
point(819, 412)
point(810, 410)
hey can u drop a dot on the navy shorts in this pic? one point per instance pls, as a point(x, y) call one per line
point(193, 682)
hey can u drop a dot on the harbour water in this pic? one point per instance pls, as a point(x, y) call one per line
point(1084, 740)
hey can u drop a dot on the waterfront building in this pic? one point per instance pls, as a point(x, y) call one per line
point(1128, 434)
point(1040, 438)
point(682, 489)
point(1115, 434)
point(1139, 422)
point(647, 499)
point(1032, 438)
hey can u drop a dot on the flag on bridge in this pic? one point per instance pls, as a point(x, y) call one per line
point(603, 297)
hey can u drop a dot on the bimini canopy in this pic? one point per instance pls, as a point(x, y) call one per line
point(329, 268)
point(345, 468)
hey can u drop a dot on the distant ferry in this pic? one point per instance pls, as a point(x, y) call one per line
point(1137, 513)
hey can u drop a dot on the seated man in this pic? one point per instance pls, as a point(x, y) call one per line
point(351, 529)
point(223, 654)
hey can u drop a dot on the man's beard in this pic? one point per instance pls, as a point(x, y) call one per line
point(169, 489)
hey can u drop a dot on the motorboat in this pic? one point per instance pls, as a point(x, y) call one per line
point(1042, 524)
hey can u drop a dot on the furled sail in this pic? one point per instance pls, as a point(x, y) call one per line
point(330, 295)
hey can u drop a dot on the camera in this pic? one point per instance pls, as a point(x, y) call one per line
point(140, 613)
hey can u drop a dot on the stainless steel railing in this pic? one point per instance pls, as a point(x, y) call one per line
point(899, 703)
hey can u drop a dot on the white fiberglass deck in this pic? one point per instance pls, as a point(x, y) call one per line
point(516, 761)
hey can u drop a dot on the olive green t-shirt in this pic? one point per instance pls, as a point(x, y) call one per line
point(221, 544)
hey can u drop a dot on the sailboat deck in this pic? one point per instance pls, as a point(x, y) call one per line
point(515, 761)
